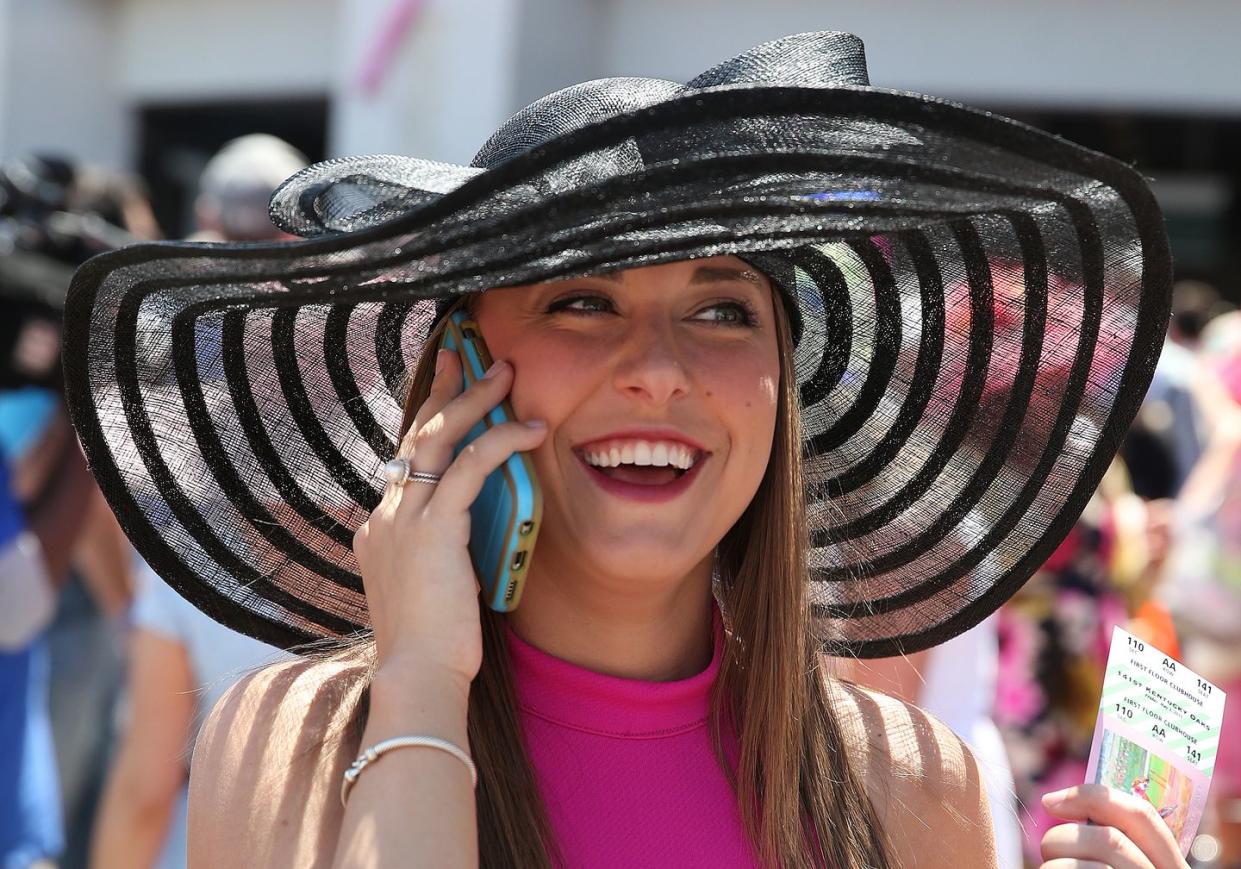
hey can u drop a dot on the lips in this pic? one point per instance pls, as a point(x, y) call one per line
point(650, 492)
point(647, 465)
point(649, 475)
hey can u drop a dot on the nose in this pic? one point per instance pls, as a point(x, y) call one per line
point(651, 367)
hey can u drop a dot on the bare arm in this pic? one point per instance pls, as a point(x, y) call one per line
point(266, 783)
point(922, 780)
point(150, 769)
point(266, 768)
point(420, 798)
point(102, 558)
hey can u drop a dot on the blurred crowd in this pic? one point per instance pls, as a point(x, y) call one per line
point(105, 672)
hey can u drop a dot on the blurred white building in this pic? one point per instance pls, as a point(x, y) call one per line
point(155, 85)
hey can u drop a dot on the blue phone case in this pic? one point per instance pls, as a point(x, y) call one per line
point(506, 517)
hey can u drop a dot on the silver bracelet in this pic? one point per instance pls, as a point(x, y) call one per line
point(377, 750)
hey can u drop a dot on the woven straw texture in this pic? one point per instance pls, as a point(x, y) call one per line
point(980, 307)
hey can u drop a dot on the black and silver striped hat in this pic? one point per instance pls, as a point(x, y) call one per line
point(979, 307)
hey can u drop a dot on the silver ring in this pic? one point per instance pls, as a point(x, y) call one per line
point(398, 473)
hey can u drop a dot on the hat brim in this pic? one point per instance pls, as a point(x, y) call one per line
point(978, 335)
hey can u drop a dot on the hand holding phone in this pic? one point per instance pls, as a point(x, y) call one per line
point(506, 517)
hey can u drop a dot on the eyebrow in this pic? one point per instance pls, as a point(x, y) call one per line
point(702, 275)
point(714, 274)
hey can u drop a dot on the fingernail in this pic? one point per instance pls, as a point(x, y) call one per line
point(496, 368)
point(536, 423)
point(1055, 797)
point(441, 357)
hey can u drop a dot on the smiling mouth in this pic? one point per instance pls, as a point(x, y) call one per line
point(641, 463)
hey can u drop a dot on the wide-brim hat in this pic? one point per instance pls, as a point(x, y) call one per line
point(979, 307)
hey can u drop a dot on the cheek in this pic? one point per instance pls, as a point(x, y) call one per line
point(550, 378)
point(537, 366)
point(746, 396)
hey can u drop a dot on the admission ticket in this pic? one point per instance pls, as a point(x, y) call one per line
point(1157, 733)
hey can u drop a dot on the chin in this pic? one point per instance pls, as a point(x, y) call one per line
point(641, 561)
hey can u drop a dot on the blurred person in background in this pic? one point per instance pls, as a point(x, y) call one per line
point(45, 502)
point(180, 663)
point(1203, 588)
point(30, 822)
point(46, 230)
point(179, 660)
point(236, 186)
point(117, 198)
point(1166, 442)
point(1194, 305)
point(1171, 430)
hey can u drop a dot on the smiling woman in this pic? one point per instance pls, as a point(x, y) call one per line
point(804, 368)
point(624, 570)
point(678, 354)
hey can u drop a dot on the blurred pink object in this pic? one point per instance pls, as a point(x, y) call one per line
point(1018, 699)
point(1229, 369)
point(1035, 821)
point(400, 18)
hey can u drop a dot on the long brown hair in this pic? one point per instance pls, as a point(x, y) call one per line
point(802, 802)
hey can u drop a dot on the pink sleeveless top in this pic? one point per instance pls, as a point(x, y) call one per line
point(626, 767)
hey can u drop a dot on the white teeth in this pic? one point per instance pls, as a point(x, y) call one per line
point(659, 454)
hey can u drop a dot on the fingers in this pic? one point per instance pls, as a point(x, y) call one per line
point(1073, 864)
point(442, 421)
point(1131, 815)
point(1102, 845)
point(445, 386)
point(436, 439)
point(465, 477)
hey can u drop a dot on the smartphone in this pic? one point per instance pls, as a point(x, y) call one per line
point(506, 516)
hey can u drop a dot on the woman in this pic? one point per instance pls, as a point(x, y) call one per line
point(748, 279)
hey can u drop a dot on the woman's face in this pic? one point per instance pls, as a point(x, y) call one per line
point(659, 388)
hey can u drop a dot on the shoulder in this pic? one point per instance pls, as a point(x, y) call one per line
point(265, 777)
point(921, 778)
